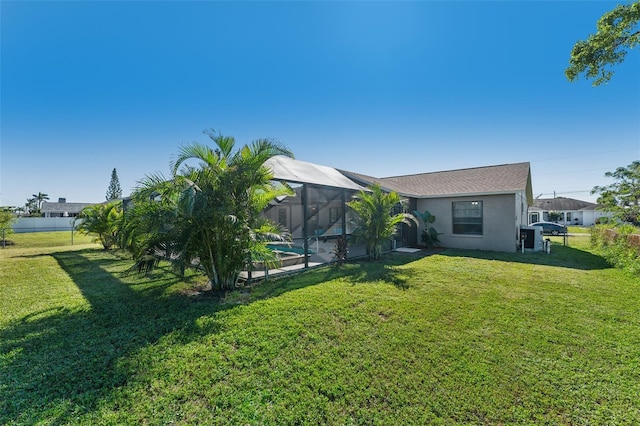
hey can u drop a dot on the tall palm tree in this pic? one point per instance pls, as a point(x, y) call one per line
point(207, 214)
point(30, 205)
point(39, 198)
point(376, 224)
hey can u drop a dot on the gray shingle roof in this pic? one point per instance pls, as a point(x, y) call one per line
point(500, 179)
point(63, 207)
point(548, 204)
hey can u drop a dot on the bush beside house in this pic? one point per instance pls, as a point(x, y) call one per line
point(620, 246)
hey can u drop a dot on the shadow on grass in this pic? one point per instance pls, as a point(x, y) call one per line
point(355, 271)
point(387, 269)
point(561, 256)
point(58, 363)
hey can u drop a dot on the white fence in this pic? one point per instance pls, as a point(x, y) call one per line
point(43, 224)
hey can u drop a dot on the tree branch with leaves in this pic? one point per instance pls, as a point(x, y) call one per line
point(622, 197)
point(617, 33)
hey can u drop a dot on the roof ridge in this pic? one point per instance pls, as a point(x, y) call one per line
point(458, 170)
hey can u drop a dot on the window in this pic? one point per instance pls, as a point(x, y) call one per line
point(467, 217)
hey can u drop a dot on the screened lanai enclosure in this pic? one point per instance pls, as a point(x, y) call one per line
point(316, 215)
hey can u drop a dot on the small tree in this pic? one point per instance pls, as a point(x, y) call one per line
point(622, 197)
point(102, 220)
point(114, 191)
point(6, 222)
point(376, 224)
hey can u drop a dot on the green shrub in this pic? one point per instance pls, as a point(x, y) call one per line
point(340, 250)
point(102, 220)
point(618, 245)
point(555, 216)
point(429, 234)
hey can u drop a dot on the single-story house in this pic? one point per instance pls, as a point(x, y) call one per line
point(570, 211)
point(479, 208)
point(62, 208)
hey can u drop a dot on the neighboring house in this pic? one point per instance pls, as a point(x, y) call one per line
point(571, 211)
point(55, 217)
point(479, 208)
point(62, 208)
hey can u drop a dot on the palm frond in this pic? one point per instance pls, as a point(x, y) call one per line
point(143, 266)
point(269, 148)
point(225, 144)
point(152, 187)
point(194, 151)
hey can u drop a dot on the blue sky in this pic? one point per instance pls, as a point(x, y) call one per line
point(373, 87)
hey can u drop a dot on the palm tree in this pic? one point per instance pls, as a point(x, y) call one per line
point(209, 214)
point(375, 222)
point(103, 220)
point(39, 198)
point(30, 205)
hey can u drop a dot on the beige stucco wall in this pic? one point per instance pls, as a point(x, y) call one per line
point(501, 219)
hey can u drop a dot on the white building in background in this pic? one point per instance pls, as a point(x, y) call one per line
point(571, 211)
point(62, 208)
point(55, 217)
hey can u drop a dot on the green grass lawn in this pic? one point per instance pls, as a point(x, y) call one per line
point(578, 229)
point(42, 240)
point(457, 337)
